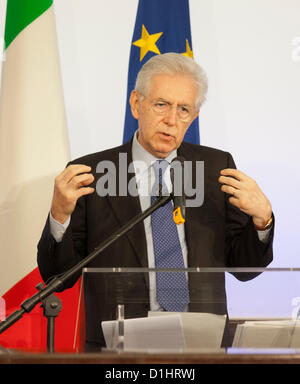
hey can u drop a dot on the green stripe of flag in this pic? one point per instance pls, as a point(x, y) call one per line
point(20, 13)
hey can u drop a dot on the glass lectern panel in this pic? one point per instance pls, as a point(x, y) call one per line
point(228, 309)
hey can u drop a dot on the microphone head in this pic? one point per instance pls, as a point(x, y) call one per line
point(178, 158)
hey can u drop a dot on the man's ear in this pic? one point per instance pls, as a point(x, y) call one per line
point(134, 104)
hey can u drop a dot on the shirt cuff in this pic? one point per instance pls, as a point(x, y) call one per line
point(57, 229)
point(264, 235)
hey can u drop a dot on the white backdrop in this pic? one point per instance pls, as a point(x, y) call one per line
point(250, 50)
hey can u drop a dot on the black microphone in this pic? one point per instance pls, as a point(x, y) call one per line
point(178, 195)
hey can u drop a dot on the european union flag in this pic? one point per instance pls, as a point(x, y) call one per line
point(161, 26)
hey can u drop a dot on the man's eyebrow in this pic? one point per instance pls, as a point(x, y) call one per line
point(161, 99)
point(168, 102)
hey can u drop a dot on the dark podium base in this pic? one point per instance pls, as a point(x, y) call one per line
point(146, 358)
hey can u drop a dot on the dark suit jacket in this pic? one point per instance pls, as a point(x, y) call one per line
point(217, 235)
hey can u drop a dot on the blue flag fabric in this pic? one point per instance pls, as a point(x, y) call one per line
point(161, 26)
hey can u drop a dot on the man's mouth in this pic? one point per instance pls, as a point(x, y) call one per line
point(166, 135)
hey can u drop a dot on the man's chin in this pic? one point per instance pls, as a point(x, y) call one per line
point(163, 151)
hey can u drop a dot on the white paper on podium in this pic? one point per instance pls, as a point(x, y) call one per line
point(147, 333)
point(268, 334)
point(201, 330)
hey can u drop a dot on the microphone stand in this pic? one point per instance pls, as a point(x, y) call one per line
point(57, 282)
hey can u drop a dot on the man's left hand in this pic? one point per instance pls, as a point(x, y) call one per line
point(246, 195)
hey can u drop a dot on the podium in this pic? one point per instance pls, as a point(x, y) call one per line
point(234, 315)
point(231, 310)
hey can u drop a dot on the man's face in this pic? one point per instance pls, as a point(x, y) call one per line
point(162, 132)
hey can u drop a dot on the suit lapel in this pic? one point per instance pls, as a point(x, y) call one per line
point(127, 207)
point(191, 235)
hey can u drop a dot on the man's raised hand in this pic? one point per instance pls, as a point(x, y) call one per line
point(69, 186)
point(246, 195)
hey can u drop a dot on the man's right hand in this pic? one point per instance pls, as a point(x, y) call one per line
point(69, 186)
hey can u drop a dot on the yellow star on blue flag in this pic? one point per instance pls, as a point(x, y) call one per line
point(147, 42)
point(188, 52)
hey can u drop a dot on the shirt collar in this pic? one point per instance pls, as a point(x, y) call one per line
point(144, 172)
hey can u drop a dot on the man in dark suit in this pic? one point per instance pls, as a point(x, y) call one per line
point(232, 228)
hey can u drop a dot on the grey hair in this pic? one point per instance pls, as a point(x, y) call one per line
point(172, 63)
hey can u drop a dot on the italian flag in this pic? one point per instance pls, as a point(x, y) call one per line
point(33, 146)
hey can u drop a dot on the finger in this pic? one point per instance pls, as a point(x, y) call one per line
point(230, 190)
point(234, 201)
point(82, 180)
point(230, 181)
point(234, 173)
point(84, 191)
point(74, 170)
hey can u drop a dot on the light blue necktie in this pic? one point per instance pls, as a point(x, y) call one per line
point(171, 287)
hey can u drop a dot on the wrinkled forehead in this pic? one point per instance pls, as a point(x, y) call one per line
point(179, 88)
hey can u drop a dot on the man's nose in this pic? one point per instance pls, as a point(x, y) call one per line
point(171, 116)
